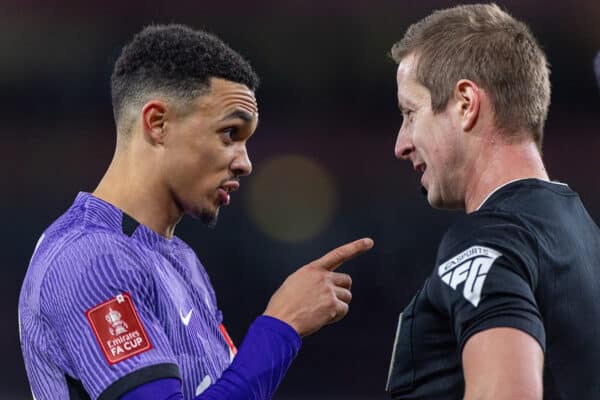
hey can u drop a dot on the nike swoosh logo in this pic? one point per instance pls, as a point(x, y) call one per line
point(186, 319)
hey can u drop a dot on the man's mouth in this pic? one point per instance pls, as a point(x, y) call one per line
point(224, 197)
point(421, 167)
point(225, 190)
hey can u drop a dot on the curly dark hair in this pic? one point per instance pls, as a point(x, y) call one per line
point(176, 61)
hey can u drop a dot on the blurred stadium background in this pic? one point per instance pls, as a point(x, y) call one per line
point(323, 155)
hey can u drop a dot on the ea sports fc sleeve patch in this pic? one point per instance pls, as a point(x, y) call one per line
point(118, 328)
point(486, 277)
point(469, 268)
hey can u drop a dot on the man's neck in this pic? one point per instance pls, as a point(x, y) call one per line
point(499, 164)
point(138, 193)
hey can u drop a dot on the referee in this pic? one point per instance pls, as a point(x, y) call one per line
point(511, 309)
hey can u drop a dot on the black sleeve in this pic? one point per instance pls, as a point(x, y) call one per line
point(486, 276)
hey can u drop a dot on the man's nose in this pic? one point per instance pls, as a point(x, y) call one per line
point(242, 165)
point(404, 146)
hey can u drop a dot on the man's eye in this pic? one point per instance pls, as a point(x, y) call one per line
point(407, 115)
point(230, 133)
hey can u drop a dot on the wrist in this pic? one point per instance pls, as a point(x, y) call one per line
point(281, 326)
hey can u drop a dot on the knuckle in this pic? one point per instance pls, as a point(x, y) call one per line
point(345, 251)
point(349, 296)
point(338, 254)
point(331, 302)
point(347, 280)
point(343, 310)
point(323, 279)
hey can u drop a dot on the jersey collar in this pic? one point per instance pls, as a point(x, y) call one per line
point(100, 212)
point(513, 181)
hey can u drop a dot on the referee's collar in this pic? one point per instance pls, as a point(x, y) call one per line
point(513, 181)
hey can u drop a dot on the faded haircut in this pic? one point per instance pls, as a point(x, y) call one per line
point(174, 62)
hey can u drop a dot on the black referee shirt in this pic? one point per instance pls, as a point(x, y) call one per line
point(528, 259)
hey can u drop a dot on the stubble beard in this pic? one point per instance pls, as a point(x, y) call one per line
point(209, 218)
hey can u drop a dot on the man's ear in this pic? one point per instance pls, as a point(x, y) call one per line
point(154, 120)
point(468, 98)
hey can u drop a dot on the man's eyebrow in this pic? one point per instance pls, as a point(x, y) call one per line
point(402, 107)
point(405, 104)
point(239, 114)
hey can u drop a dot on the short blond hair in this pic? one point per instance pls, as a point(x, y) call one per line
point(485, 44)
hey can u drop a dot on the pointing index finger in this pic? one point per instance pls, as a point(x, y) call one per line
point(336, 257)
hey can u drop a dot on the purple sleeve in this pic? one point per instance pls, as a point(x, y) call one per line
point(259, 366)
point(97, 300)
point(264, 357)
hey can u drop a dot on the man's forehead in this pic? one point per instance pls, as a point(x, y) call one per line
point(228, 95)
point(409, 89)
point(406, 72)
point(225, 98)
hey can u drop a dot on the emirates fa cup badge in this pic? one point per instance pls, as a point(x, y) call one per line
point(118, 328)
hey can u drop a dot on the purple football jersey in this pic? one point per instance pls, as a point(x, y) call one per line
point(108, 304)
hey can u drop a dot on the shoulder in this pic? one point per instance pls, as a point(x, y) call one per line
point(89, 245)
point(486, 238)
point(492, 228)
point(92, 268)
point(95, 255)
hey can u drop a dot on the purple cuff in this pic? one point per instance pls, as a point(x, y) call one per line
point(283, 329)
point(264, 357)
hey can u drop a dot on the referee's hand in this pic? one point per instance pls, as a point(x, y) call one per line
point(315, 295)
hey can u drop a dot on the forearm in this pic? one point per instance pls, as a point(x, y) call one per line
point(504, 394)
point(260, 364)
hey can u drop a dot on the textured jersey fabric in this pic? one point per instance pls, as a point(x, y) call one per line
point(529, 259)
point(78, 343)
point(265, 355)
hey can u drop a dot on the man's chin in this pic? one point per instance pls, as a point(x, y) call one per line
point(207, 217)
point(433, 200)
point(436, 201)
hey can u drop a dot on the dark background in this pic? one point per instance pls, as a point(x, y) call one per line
point(328, 95)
